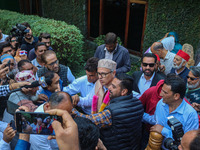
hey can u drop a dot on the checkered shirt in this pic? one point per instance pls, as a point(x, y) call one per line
point(4, 89)
point(101, 119)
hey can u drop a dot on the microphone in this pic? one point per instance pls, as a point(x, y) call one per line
point(33, 84)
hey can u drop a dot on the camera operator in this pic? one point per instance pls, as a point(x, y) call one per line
point(173, 104)
point(28, 42)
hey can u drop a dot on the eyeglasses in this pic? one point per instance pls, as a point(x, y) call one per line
point(53, 63)
point(13, 40)
point(150, 65)
point(191, 78)
point(103, 74)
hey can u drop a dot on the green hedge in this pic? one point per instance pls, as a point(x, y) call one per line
point(180, 16)
point(66, 40)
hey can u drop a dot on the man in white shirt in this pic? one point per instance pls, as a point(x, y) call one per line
point(166, 57)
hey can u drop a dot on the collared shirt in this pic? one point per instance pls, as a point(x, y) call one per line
point(168, 61)
point(4, 90)
point(36, 64)
point(101, 119)
point(184, 113)
point(144, 84)
point(109, 55)
point(86, 102)
point(80, 85)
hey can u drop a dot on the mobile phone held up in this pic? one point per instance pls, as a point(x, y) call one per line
point(35, 123)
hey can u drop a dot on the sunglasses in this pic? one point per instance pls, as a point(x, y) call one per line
point(150, 65)
point(191, 78)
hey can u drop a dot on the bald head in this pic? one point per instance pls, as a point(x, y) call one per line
point(156, 46)
point(188, 137)
point(60, 100)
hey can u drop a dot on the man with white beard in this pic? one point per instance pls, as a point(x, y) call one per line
point(179, 65)
point(193, 88)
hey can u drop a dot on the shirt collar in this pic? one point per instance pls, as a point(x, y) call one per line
point(105, 49)
point(179, 109)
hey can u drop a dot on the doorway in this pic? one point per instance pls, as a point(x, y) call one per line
point(126, 18)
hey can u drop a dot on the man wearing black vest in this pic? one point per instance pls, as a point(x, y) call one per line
point(120, 122)
point(51, 63)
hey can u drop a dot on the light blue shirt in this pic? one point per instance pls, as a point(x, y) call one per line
point(184, 113)
point(144, 84)
point(80, 85)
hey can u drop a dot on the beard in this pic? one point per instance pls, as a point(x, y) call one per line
point(177, 67)
point(193, 86)
point(150, 73)
point(29, 38)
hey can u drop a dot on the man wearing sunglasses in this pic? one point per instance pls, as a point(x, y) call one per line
point(193, 87)
point(147, 77)
point(51, 63)
point(179, 65)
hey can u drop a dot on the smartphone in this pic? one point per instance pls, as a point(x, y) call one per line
point(8, 64)
point(35, 123)
point(11, 107)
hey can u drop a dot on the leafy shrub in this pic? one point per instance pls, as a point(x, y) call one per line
point(67, 40)
point(100, 40)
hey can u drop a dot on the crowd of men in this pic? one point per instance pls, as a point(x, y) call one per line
point(106, 108)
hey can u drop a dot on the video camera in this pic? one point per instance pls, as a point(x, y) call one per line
point(19, 31)
point(177, 131)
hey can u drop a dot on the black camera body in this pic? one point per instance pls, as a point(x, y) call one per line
point(177, 131)
point(19, 31)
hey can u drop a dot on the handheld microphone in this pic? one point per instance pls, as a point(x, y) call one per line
point(33, 84)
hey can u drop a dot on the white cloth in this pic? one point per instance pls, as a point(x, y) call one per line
point(198, 64)
point(4, 36)
point(40, 142)
point(168, 43)
point(167, 62)
point(4, 145)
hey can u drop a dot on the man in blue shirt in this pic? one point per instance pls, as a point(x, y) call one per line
point(84, 84)
point(173, 104)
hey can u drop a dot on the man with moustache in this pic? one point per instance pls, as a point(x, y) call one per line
point(179, 65)
point(193, 87)
point(28, 42)
point(146, 78)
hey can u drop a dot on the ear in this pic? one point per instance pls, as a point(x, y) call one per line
point(176, 96)
point(124, 92)
point(46, 107)
point(184, 63)
point(114, 72)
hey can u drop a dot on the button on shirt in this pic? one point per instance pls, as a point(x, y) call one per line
point(184, 113)
point(144, 84)
point(167, 62)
